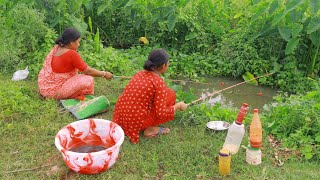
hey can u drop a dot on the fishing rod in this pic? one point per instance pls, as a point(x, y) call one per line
point(122, 77)
point(216, 92)
point(173, 80)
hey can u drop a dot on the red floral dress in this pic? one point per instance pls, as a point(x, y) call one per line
point(145, 102)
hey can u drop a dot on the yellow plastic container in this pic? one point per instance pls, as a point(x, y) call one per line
point(224, 162)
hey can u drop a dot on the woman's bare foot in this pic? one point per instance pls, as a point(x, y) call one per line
point(155, 131)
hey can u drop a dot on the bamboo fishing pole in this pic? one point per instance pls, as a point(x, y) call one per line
point(216, 92)
point(173, 80)
point(122, 77)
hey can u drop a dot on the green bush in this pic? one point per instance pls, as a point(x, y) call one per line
point(295, 120)
point(109, 59)
point(9, 53)
point(291, 78)
point(24, 31)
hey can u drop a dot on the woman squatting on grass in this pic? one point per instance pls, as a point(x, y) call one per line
point(59, 78)
point(146, 101)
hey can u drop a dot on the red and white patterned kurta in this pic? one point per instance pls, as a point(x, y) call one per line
point(145, 102)
point(63, 85)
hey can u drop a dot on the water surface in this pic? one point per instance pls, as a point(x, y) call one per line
point(255, 96)
point(87, 149)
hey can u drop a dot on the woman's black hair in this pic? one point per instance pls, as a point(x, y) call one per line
point(69, 35)
point(156, 59)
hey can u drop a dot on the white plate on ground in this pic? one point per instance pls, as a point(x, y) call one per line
point(218, 125)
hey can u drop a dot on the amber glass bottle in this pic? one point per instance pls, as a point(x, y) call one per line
point(255, 130)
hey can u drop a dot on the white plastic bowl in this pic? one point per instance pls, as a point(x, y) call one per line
point(90, 132)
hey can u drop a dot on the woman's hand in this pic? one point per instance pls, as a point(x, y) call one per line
point(96, 73)
point(180, 106)
point(108, 75)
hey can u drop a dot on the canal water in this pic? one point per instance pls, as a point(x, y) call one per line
point(255, 96)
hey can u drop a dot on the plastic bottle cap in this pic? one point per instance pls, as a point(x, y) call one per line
point(242, 113)
point(253, 149)
point(255, 110)
point(224, 152)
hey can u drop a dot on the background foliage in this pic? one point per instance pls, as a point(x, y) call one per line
point(225, 37)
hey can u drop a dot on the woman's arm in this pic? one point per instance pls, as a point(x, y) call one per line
point(78, 62)
point(96, 73)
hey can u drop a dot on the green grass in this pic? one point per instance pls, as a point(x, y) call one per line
point(188, 152)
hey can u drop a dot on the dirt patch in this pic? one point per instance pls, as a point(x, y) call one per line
point(280, 153)
point(68, 175)
point(160, 172)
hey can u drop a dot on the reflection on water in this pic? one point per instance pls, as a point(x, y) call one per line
point(255, 96)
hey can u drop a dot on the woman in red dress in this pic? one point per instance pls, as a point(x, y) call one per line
point(146, 101)
point(59, 78)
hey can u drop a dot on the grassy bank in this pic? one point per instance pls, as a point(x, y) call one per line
point(188, 152)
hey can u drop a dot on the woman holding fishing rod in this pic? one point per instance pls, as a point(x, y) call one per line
point(146, 101)
point(59, 78)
